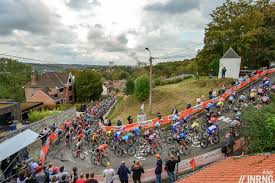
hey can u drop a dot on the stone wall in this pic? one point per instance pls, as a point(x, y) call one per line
point(40, 125)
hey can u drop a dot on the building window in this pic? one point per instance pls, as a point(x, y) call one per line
point(70, 88)
point(71, 98)
point(55, 95)
point(61, 90)
point(70, 80)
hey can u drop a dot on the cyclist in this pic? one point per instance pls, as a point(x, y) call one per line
point(136, 131)
point(220, 105)
point(102, 149)
point(209, 106)
point(78, 145)
point(211, 130)
point(265, 99)
point(252, 96)
point(231, 99)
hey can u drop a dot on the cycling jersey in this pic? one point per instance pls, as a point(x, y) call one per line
point(117, 134)
point(242, 98)
point(252, 95)
point(195, 124)
point(220, 103)
point(175, 127)
point(265, 98)
point(210, 106)
point(182, 135)
point(231, 98)
point(267, 83)
point(157, 124)
point(102, 147)
point(174, 117)
point(136, 131)
point(212, 129)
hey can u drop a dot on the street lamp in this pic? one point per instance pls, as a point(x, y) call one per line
point(150, 95)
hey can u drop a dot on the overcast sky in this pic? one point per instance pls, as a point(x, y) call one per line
point(99, 31)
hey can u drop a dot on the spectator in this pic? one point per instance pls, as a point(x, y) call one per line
point(108, 174)
point(203, 98)
point(6, 168)
point(30, 178)
point(197, 76)
point(158, 169)
point(170, 168)
point(223, 72)
point(119, 123)
point(22, 178)
point(41, 177)
point(198, 100)
point(175, 111)
point(91, 179)
point(81, 179)
point(109, 123)
point(74, 175)
point(54, 179)
point(123, 172)
point(87, 176)
point(214, 93)
point(137, 170)
point(62, 173)
point(44, 135)
point(188, 106)
point(210, 93)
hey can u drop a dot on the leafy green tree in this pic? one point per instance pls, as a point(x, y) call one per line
point(88, 85)
point(142, 87)
point(130, 87)
point(123, 75)
point(259, 128)
point(13, 76)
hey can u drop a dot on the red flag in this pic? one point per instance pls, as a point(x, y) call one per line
point(192, 164)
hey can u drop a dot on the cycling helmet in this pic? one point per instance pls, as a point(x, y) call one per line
point(108, 133)
point(213, 119)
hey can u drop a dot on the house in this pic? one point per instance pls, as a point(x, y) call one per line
point(106, 89)
point(51, 88)
point(254, 168)
point(9, 111)
point(232, 63)
point(119, 84)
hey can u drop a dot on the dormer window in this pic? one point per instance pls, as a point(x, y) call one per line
point(61, 90)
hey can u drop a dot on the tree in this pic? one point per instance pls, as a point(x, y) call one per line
point(259, 128)
point(142, 87)
point(13, 76)
point(247, 26)
point(123, 75)
point(88, 86)
point(130, 87)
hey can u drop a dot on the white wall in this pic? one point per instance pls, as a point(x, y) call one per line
point(232, 66)
point(104, 91)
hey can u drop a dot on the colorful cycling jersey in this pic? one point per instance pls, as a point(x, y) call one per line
point(260, 90)
point(210, 105)
point(231, 98)
point(267, 83)
point(88, 132)
point(242, 97)
point(117, 134)
point(152, 136)
point(182, 135)
point(136, 131)
point(265, 98)
point(211, 129)
point(252, 95)
point(102, 147)
point(195, 124)
point(175, 127)
point(220, 103)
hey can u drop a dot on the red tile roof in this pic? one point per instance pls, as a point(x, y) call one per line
point(232, 168)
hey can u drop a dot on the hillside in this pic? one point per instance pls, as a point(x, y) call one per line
point(166, 97)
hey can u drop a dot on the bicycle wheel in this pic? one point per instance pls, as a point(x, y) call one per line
point(169, 140)
point(185, 149)
point(94, 159)
point(131, 150)
point(143, 152)
point(188, 139)
point(82, 156)
point(118, 152)
point(157, 150)
point(204, 143)
point(104, 161)
point(74, 153)
point(204, 125)
point(216, 139)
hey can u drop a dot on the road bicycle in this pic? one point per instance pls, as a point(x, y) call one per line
point(152, 148)
point(100, 158)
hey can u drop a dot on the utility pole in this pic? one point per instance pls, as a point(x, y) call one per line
point(150, 94)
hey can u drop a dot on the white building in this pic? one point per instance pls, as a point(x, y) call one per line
point(232, 63)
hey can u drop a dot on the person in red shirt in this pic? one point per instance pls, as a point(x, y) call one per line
point(81, 179)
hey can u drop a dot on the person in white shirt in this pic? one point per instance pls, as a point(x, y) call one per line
point(198, 100)
point(108, 174)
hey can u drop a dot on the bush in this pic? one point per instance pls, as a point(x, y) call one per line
point(157, 82)
point(259, 128)
point(130, 87)
point(36, 115)
point(142, 88)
